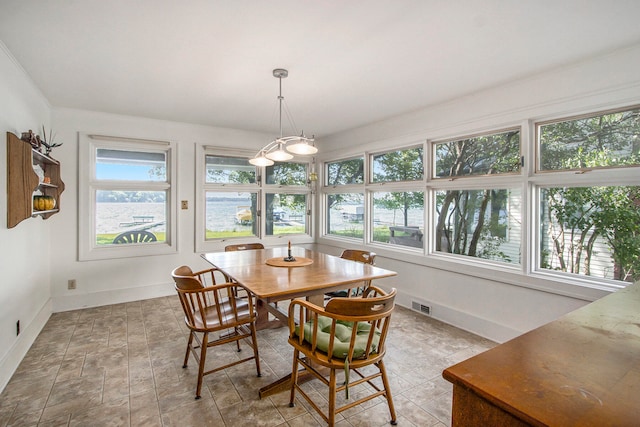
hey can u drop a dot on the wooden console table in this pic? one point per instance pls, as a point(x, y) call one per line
point(580, 370)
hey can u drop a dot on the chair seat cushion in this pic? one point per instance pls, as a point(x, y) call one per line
point(342, 340)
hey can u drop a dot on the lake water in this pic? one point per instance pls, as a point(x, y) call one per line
point(114, 217)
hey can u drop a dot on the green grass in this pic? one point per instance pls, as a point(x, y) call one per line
point(107, 238)
point(380, 234)
point(225, 234)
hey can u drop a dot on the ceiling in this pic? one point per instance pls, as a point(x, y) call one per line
point(350, 63)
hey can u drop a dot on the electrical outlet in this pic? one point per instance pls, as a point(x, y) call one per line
point(71, 284)
point(185, 204)
point(17, 328)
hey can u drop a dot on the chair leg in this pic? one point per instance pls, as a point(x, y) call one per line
point(189, 343)
point(332, 398)
point(294, 377)
point(254, 340)
point(387, 390)
point(237, 341)
point(203, 358)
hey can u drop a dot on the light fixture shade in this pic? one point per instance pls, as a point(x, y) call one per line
point(261, 160)
point(279, 155)
point(302, 148)
point(278, 150)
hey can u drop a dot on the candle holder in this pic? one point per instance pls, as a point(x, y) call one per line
point(289, 257)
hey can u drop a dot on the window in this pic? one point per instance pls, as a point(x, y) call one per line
point(344, 198)
point(125, 198)
point(591, 231)
point(345, 215)
point(571, 214)
point(482, 223)
point(289, 173)
point(590, 226)
point(229, 170)
point(479, 223)
point(242, 201)
point(398, 218)
point(288, 207)
point(599, 141)
point(231, 198)
point(286, 213)
point(345, 172)
point(402, 165)
point(231, 214)
point(480, 155)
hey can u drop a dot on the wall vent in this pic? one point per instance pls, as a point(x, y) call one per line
point(424, 309)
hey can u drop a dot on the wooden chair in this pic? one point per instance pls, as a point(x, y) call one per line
point(214, 317)
point(345, 336)
point(243, 247)
point(135, 236)
point(364, 257)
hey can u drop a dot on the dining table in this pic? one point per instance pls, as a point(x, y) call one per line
point(285, 273)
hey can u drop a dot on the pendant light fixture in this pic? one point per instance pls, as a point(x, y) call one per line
point(280, 149)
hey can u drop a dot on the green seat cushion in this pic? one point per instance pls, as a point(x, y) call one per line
point(342, 337)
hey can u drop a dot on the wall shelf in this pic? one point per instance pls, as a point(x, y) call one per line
point(23, 182)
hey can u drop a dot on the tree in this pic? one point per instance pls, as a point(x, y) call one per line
point(345, 172)
point(469, 221)
point(287, 174)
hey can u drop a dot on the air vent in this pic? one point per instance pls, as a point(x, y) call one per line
point(424, 309)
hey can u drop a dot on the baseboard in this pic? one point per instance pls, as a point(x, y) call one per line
point(468, 322)
point(19, 349)
point(115, 296)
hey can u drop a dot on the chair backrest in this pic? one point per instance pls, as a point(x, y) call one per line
point(243, 247)
point(210, 307)
point(185, 279)
point(348, 328)
point(365, 257)
point(374, 303)
point(135, 236)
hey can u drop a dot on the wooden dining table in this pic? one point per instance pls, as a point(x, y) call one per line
point(271, 279)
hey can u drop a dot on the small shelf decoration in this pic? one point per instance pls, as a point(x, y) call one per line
point(38, 144)
point(33, 178)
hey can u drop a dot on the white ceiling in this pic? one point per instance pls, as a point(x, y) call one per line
point(350, 62)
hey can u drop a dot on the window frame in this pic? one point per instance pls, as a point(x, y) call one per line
point(601, 176)
point(325, 215)
point(259, 187)
point(500, 181)
point(328, 189)
point(433, 144)
point(527, 180)
point(370, 176)
point(89, 143)
point(536, 124)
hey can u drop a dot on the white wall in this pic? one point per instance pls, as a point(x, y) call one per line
point(495, 304)
point(25, 249)
point(118, 280)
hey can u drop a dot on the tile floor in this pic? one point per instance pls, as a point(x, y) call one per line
point(121, 365)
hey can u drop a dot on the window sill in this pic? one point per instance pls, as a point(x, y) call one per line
point(127, 251)
point(578, 288)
